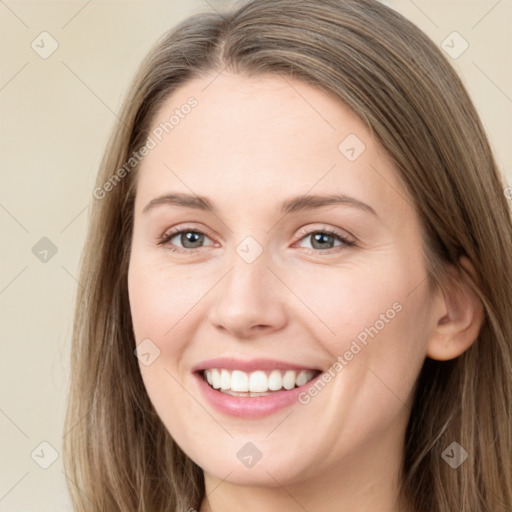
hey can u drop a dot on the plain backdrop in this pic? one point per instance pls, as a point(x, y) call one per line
point(56, 111)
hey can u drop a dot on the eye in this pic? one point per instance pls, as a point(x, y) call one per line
point(190, 238)
point(323, 240)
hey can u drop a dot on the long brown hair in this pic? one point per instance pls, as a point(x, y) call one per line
point(118, 455)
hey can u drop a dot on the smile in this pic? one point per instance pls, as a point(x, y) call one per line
point(256, 383)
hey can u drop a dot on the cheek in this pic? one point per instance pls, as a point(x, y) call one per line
point(161, 307)
point(379, 344)
point(161, 297)
point(373, 316)
point(359, 296)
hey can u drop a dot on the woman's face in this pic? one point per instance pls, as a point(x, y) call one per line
point(270, 283)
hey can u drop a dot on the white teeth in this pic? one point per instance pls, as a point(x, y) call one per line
point(238, 382)
point(275, 381)
point(289, 379)
point(302, 378)
point(225, 380)
point(258, 382)
point(215, 379)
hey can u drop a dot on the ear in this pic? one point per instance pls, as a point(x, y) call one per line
point(459, 316)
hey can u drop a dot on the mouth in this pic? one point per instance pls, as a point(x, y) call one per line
point(255, 388)
point(257, 383)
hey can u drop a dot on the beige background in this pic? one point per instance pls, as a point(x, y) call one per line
point(56, 114)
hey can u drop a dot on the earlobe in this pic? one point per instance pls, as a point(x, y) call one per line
point(460, 316)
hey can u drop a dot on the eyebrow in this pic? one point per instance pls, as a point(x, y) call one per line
point(294, 204)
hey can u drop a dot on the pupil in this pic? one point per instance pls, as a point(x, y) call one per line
point(189, 237)
point(320, 237)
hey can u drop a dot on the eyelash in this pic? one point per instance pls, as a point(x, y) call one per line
point(164, 239)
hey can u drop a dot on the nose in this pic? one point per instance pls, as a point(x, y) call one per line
point(249, 300)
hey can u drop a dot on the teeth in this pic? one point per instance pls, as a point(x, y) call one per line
point(275, 381)
point(289, 379)
point(215, 375)
point(302, 378)
point(258, 381)
point(225, 380)
point(239, 383)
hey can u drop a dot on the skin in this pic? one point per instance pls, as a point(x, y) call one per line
point(250, 144)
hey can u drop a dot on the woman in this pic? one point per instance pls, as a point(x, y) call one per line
point(247, 371)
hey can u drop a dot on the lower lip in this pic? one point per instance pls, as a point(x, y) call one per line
point(251, 407)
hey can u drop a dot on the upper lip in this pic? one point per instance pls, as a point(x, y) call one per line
point(248, 365)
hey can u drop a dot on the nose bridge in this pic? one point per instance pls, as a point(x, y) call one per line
point(249, 296)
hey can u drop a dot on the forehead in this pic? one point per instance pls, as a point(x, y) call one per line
point(259, 137)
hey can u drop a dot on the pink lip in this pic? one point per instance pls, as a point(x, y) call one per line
point(248, 366)
point(250, 407)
